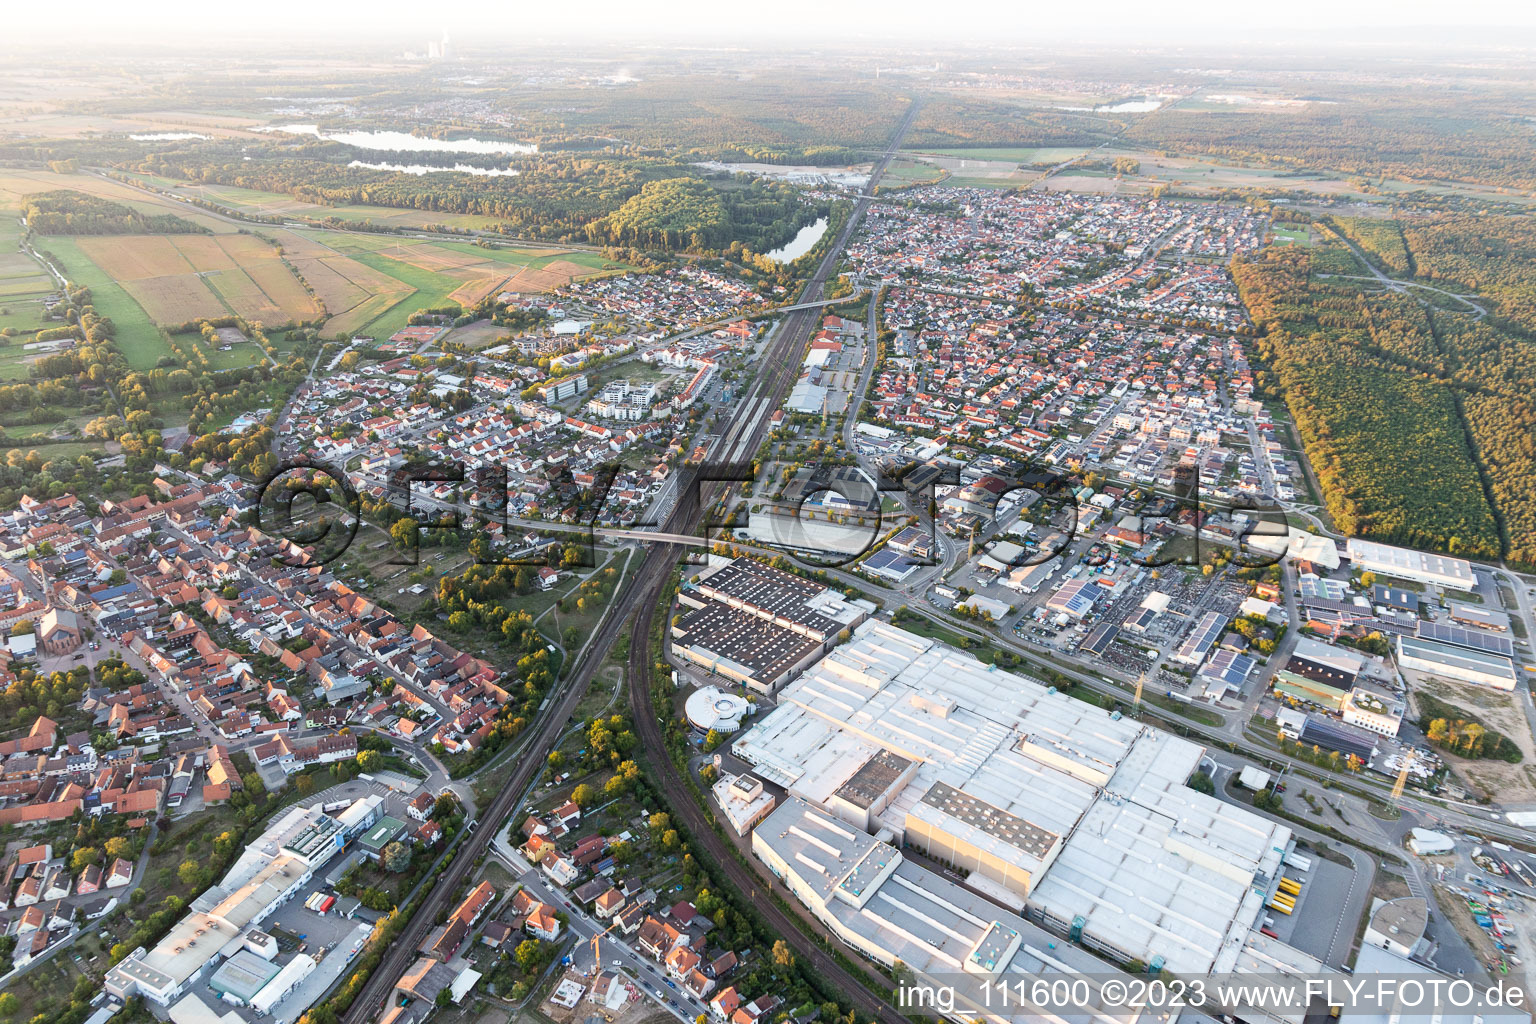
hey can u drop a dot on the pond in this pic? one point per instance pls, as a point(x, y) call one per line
point(805, 239)
point(404, 141)
point(488, 172)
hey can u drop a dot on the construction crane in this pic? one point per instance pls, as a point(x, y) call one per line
point(597, 955)
point(1402, 776)
point(1140, 682)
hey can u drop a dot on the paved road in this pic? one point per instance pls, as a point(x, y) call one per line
point(780, 368)
point(612, 949)
point(780, 374)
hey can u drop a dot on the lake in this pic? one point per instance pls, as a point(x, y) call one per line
point(801, 244)
point(1139, 105)
point(404, 141)
point(488, 172)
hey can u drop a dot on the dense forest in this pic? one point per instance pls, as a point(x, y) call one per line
point(67, 212)
point(1492, 255)
point(801, 118)
point(955, 122)
point(1460, 136)
point(686, 213)
point(1382, 387)
point(1369, 424)
point(608, 198)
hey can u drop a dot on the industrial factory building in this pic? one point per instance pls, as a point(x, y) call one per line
point(1049, 806)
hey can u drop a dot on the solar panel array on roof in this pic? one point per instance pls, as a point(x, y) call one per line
point(1335, 736)
point(1474, 640)
point(1229, 665)
point(1141, 620)
point(768, 591)
point(766, 648)
point(1202, 637)
point(1102, 636)
point(891, 562)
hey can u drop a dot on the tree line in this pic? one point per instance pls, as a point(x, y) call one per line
point(67, 212)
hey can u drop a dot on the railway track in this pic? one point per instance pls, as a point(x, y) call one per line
point(648, 727)
point(781, 369)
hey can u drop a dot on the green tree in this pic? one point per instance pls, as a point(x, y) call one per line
point(191, 874)
point(397, 857)
point(528, 954)
point(404, 532)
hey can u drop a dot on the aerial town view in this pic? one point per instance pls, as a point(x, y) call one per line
point(667, 513)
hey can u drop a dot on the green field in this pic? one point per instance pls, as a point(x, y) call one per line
point(431, 290)
point(238, 357)
point(1293, 236)
point(66, 449)
point(23, 281)
point(14, 361)
point(905, 171)
point(136, 337)
point(1018, 155)
point(538, 259)
point(275, 204)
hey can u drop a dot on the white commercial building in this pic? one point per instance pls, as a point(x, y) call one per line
point(743, 799)
point(272, 870)
point(891, 910)
point(710, 707)
point(1373, 711)
point(1428, 843)
point(1451, 662)
point(288, 979)
point(1408, 564)
point(1045, 801)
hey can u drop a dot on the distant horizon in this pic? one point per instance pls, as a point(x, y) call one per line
point(169, 25)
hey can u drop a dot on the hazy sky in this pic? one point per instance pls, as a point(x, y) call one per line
point(989, 21)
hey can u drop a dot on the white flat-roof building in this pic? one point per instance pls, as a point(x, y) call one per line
point(1156, 870)
point(1451, 662)
point(710, 707)
point(1367, 709)
point(890, 909)
point(744, 800)
point(1047, 802)
point(271, 871)
point(1408, 564)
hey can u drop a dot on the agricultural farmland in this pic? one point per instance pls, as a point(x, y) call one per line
point(16, 183)
point(372, 283)
point(183, 277)
point(275, 204)
point(136, 336)
point(23, 282)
